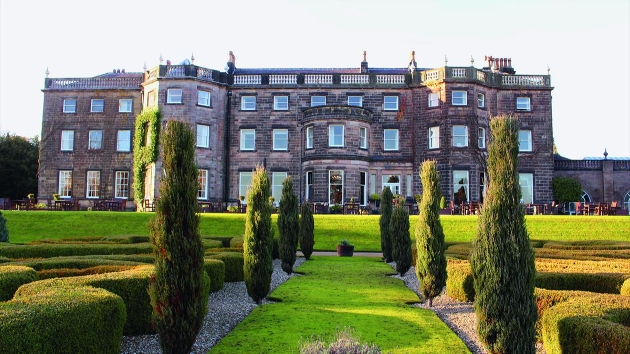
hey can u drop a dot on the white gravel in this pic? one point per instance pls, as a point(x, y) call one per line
point(230, 305)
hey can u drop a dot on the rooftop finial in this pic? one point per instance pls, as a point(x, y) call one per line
point(412, 62)
point(161, 59)
point(548, 69)
point(472, 61)
point(192, 58)
point(445, 60)
point(144, 67)
point(231, 64)
point(47, 72)
point(605, 154)
point(364, 55)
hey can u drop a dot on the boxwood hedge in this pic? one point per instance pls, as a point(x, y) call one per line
point(60, 250)
point(233, 265)
point(216, 271)
point(62, 319)
point(12, 277)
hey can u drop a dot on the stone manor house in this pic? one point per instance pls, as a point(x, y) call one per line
point(341, 134)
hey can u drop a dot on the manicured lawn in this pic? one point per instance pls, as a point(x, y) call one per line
point(361, 230)
point(338, 292)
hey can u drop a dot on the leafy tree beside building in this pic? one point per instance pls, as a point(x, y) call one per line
point(19, 158)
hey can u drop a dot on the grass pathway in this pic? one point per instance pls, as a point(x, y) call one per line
point(337, 292)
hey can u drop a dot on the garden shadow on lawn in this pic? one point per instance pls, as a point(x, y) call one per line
point(338, 292)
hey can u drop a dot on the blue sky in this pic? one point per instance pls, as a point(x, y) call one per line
point(586, 44)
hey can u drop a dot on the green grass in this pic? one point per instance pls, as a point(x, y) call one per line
point(338, 292)
point(361, 230)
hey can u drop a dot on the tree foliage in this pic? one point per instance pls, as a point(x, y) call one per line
point(288, 225)
point(430, 246)
point(145, 149)
point(18, 166)
point(4, 231)
point(307, 230)
point(400, 239)
point(566, 189)
point(502, 258)
point(258, 243)
point(386, 216)
point(180, 288)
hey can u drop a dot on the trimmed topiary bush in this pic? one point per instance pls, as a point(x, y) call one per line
point(459, 283)
point(4, 231)
point(502, 257)
point(180, 288)
point(66, 250)
point(288, 225)
point(12, 277)
point(401, 241)
point(72, 272)
point(216, 271)
point(234, 263)
point(258, 245)
point(237, 242)
point(72, 262)
point(62, 319)
point(595, 282)
point(384, 221)
point(207, 243)
point(431, 261)
point(307, 230)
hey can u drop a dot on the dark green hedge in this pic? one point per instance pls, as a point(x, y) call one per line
point(12, 277)
point(71, 272)
point(224, 239)
point(237, 242)
point(71, 262)
point(60, 250)
point(208, 243)
point(4, 260)
point(599, 325)
point(132, 286)
point(459, 283)
point(216, 271)
point(233, 265)
point(607, 283)
point(62, 320)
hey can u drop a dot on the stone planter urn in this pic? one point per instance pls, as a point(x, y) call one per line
point(345, 249)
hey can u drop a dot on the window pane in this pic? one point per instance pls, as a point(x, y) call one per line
point(202, 177)
point(203, 98)
point(318, 101)
point(276, 185)
point(481, 138)
point(203, 135)
point(481, 100)
point(433, 99)
point(434, 137)
point(526, 180)
point(309, 137)
point(124, 140)
point(355, 101)
point(390, 103)
point(281, 103)
point(335, 184)
point(69, 105)
point(93, 184)
point(460, 187)
point(97, 105)
point(245, 181)
point(67, 140)
point(524, 140)
point(65, 184)
point(460, 135)
point(459, 98)
point(280, 139)
point(125, 105)
point(335, 135)
point(363, 138)
point(248, 103)
point(174, 96)
point(95, 139)
point(393, 182)
point(248, 139)
point(390, 139)
point(522, 103)
point(122, 184)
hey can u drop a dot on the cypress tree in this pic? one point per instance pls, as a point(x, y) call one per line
point(180, 288)
point(386, 216)
point(4, 231)
point(400, 240)
point(307, 227)
point(431, 259)
point(258, 245)
point(289, 226)
point(502, 258)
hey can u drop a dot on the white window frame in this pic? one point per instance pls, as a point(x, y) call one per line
point(363, 198)
point(309, 186)
point(204, 98)
point(67, 140)
point(248, 139)
point(356, 101)
point(459, 136)
point(481, 137)
point(334, 138)
point(390, 140)
point(93, 185)
point(174, 96)
point(433, 99)
point(525, 140)
point(203, 135)
point(363, 138)
point(202, 179)
point(390, 103)
point(280, 103)
point(309, 137)
point(481, 100)
point(526, 182)
point(434, 137)
point(121, 182)
point(95, 139)
point(70, 105)
point(523, 103)
point(280, 139)
point(459, 98)
point(392, 181)
point(248, 103)
point(318, 100)
point(123, 140)
point(125, 105)
point(461, 179)
point(65, 184)
point(276, 185)
point(332, 183)
point(244, 184)
point(97, 105)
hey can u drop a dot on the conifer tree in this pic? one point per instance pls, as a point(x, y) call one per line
point(400, 240)
point(430, 246)
point(307, 227)
point(180, 288)
point(257, 246)
point(289, 226)
point(386, 216)
point(502, 258)
point(4, 231)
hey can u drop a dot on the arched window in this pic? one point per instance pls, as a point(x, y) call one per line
point(586, 198)
point(626, 201)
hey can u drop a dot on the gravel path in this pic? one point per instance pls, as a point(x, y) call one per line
point(231, 305)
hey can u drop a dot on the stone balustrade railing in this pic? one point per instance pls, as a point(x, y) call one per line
point(355, 79)
point(485, 77)
point(247, 79)
point(132, 82)
point(577, 164)
point(390, 79)
point(310, 79)
point(283, 79)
